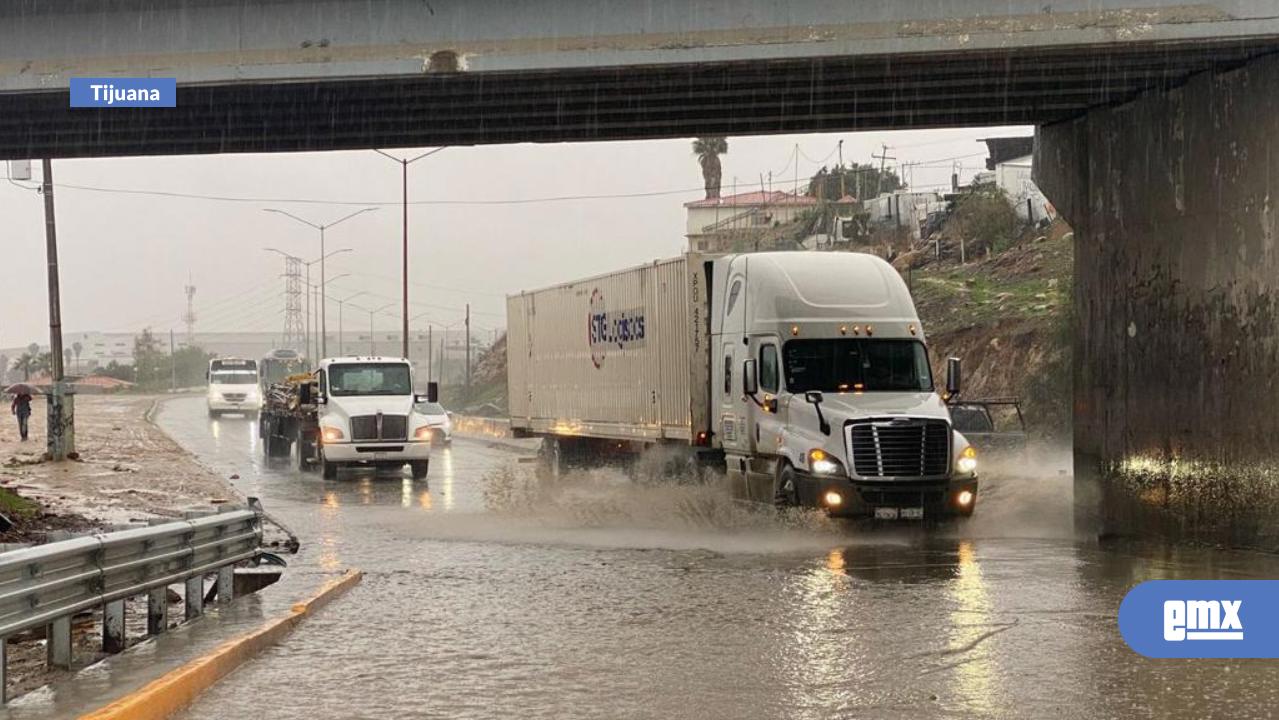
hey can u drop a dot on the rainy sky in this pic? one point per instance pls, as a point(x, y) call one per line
point(492, 225)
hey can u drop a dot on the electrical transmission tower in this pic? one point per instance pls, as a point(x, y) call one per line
point(294, 331)
point(189, 318)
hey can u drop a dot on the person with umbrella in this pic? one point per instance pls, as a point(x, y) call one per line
point(21, 406)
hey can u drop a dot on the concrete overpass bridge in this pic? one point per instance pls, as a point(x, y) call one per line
point(1155, 117)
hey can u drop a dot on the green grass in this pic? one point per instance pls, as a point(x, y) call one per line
point(949, 299)
point(14, 505)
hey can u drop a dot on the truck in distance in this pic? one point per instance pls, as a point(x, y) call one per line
point(351, 411)
point(279, 364)
point(233, 387)
point(803, 376)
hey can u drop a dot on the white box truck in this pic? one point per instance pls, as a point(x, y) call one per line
point(805, 376)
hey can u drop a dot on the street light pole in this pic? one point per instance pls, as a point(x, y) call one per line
point(404, 181)
point(323, 298)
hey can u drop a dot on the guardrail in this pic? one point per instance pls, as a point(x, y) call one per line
point(46, 585)
point(492, 427)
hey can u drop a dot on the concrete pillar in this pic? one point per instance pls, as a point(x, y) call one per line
point(1172, 198)
point(226, 584)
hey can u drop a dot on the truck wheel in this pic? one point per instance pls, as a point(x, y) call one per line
point(786, 488)
point(419, 469)
point(214, 413)
point(305, 450)
point(551, 456)
point(329, 469)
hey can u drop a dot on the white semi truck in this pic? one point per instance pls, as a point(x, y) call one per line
point(351, 411)
point(804, 376)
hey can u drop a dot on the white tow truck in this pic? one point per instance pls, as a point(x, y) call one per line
point(803, 375)
point(350, 411)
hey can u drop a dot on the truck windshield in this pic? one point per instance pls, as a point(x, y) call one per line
point(848, 365)
point(370, 379)
point(223, 377)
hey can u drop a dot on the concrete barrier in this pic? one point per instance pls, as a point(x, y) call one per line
point(162, 698)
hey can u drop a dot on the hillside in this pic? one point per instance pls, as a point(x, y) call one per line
point(1007, 317)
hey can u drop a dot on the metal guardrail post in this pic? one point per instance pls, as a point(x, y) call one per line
point(158, 610)
point(226, 584)
point(59, 642)
point(4, 672)
point(113, 639)
point(194, 597)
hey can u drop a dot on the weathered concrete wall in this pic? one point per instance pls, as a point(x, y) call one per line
point(1177, 344)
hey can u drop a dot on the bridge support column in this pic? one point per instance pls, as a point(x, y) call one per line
point(1174, 199)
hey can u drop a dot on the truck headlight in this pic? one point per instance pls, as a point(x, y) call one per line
point(422, 433)
point(821, 463)
point(967, 460)
point(331, 434)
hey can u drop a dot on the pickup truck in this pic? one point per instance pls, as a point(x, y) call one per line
point(351, 411)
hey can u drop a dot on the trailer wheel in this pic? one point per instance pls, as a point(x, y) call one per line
point(419, 469)
point(551, 456)
point(306, 449)
point(786, 487)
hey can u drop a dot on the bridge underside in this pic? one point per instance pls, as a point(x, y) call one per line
point(954, 89)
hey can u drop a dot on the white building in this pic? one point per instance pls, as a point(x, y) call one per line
point(708, 219)
point(905, 208)
point(1014, 177)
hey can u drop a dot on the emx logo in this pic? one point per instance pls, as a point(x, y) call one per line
point(1202, 620)
point(1189, 618)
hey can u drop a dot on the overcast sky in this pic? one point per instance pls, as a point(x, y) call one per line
point(126, 257)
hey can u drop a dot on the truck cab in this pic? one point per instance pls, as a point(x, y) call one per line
point(233, 387)
point(368, 415)
point(823, 393)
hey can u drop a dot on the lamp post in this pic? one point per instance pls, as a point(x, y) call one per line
point(321, 228)
point(404, 178)
point(341, 343)
point(319, 290)
point(307, 265)
point(372, 348)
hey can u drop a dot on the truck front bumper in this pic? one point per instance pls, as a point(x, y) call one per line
point(377, 452)
point(241, 406)
point(862, 498)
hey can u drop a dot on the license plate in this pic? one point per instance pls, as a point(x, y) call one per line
point(889, 513)
point(882, 513)
point(381, 455)
point(913, 513)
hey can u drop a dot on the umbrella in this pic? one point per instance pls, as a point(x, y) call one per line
point(21, 389)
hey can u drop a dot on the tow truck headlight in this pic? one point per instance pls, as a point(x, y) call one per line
point(821, 463)
point(422, 433)
point(967, 460)
point(331, 434)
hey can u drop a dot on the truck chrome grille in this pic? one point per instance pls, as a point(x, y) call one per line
point(366, 427)
point(233, 397)
point(900, 448)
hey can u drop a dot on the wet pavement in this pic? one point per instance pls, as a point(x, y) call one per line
point(487, 595)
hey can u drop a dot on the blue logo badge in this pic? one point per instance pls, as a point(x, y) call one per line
point(1202, 618)
point(124, 92)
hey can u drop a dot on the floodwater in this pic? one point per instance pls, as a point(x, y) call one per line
point(487, 595)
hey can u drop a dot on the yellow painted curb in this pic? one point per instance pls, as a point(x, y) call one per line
point(176, 689)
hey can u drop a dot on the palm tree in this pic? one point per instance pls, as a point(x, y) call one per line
point(78, 348)
point(26, 363)
point(708, 149)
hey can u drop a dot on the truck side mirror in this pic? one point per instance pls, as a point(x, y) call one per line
point(750, 381)
point(952, 377)
point(432, 392)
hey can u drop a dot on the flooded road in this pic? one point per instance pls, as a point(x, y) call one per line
point(486, 597)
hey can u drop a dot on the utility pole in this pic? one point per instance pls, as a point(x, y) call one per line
point(173, 365)
point(468, 349)
point(430, 350)
point(60, 440)
point(841, 170)
point(882, 157)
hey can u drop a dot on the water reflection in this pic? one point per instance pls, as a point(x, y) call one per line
point(975, 678)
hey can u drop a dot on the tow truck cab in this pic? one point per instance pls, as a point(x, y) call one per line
point(368, 415)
